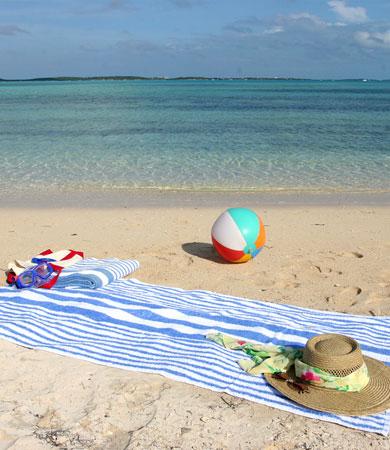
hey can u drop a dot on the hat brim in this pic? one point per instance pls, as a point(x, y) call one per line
point(374, 398)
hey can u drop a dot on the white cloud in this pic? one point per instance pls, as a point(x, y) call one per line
point(273, 30)
point(373, 39)
point(279, 24)
point(309, 17)
point(352, 14)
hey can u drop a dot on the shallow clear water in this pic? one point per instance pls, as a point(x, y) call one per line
point(260, 135)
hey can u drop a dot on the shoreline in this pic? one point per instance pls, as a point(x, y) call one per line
point(146, 198)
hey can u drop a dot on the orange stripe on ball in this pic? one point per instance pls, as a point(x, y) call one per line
point(260, 241)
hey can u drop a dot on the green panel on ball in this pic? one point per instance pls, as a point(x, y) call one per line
point(249, 224)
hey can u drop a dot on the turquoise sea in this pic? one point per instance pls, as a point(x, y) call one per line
point(199, 135)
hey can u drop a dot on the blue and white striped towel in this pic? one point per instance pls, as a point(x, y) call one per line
point(94, 273)
point(150, 328)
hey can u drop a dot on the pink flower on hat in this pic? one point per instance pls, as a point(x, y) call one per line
point(309, 376)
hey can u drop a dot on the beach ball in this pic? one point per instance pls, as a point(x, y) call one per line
point(238, 235)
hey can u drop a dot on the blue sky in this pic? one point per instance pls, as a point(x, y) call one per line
point(298, 38)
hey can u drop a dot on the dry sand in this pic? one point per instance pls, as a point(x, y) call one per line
point(330, 258)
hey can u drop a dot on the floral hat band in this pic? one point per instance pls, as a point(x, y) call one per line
point(354, 382)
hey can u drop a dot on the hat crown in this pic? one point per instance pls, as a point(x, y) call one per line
point(334, 353)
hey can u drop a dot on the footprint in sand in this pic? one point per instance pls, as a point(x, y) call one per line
point(385, 276)
point(349, 296)
point(287, 281)
point(323, 269)
point(352, 254)
point(377, 303)
point(326, 270)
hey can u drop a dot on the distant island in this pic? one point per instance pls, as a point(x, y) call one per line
point(132, 77)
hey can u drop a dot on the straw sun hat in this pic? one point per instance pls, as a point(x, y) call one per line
point(333, 376)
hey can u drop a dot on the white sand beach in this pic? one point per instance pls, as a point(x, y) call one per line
point(325, 257)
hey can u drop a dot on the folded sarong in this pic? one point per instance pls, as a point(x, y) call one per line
point(95, 273)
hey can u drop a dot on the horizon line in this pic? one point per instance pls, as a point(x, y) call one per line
point(177, 78)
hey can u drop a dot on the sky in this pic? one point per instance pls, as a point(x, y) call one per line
point(215, 38)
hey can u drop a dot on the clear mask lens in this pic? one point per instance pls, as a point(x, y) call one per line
point(43, 271)
point(26, 278)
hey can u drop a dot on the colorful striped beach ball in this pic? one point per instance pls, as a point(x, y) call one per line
point(238, 235)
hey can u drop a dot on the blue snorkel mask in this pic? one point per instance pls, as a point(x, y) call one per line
point(37, 276)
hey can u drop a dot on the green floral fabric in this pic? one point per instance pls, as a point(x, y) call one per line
point(277, 358)
point(353, 382)
point(264, 358)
